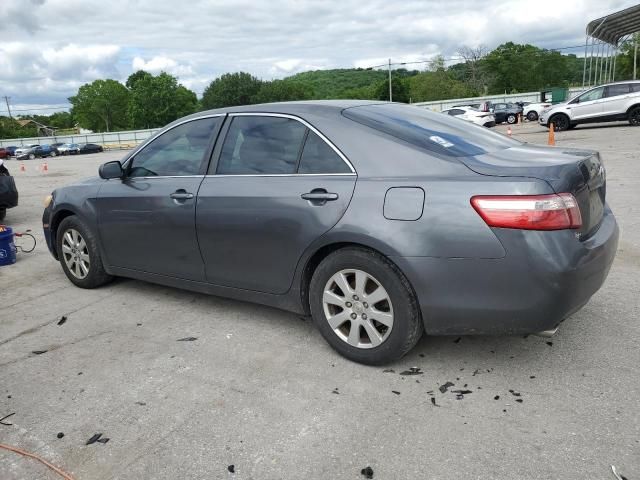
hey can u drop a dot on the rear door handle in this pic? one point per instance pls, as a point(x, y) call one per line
point(181, 195)
point(326, 196)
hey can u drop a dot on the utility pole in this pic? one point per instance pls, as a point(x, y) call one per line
point(6, 99)
point(390, 94)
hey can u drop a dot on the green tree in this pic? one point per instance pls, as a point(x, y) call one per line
point(158, 100)
point(101, 105)
point(624, 61)
point(399, 89)
point(229, 90)
point(437, 85)
point(282, 91)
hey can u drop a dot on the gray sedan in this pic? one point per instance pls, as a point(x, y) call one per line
point(381, 221)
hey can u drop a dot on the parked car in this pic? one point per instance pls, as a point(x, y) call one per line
point(4, 153)
point(57, 144)
point(26, 152)
point(8, 191)
point(484, 119)
point(11, 150)
point(605, 103)
point(505, 112)
point(69, 149)
point(42, 151)
point(532, 111)
point(381, 221)
point(90, 148)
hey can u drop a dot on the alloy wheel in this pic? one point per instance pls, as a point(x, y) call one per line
point(76, 254)
point(634, 118)
point(358, 308)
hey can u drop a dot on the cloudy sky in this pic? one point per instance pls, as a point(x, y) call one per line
point(48, 48)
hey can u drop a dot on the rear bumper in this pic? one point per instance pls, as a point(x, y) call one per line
point(544, 278)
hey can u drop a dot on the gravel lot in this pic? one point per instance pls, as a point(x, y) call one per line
point(260, 389)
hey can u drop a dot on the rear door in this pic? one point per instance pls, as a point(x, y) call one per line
point(615, 99)
point(147, 220)
point(278, 185)
point(588, 105)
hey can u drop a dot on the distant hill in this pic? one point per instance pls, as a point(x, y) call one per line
point(336, 83)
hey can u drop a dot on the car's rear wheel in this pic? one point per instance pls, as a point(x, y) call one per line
point(634, 116)
point(364, 306)
point(79, 255)
point(31, 156)
point(511, 118)
point(532, 116)
point(560, 122)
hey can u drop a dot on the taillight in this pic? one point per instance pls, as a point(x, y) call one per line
point(529, 212)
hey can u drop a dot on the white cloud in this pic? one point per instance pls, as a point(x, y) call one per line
point(161, 64)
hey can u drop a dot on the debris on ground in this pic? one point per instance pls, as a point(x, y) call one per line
point(550, 344)
point(138, 324)
point(231, 468)
point(60, 435)
point(462, 392)
point(457, 340)
point(39, 352)
point(421, 355)
point(335, 390)
point(141, 403)
point(497, 397)
point(445, 387)
point(532, 376)
point(62, 320)
point(475, 372)
point(97, 438)
point(389, 370)
point(395, 391)
point(367, 472)
point(2, 420)
point(519, 400)
point(412, 371)
point(187, 339)
point(618, 475)
point(433, 401)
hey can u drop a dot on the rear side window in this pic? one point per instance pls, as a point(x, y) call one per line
point(635, 87)
point(261, 145)
point(615, 90)
point(433, 132)
point(177, 152)
point(318, 157)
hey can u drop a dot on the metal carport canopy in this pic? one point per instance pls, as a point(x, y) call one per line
point(612, 28)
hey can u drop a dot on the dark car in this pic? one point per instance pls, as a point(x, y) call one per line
point(4, 153)
point(506, 112)
point(11, 150)
point(8, 191)
point(381, 221)
point(42, 151)
point(90, 148)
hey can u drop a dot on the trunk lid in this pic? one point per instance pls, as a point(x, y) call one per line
point(579, 172)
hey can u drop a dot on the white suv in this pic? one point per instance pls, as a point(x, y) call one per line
point(606, 103)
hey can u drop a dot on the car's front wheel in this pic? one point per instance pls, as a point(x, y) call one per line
point(53, 154)
point(364, 306)
point(560, 122)
point(634, 116)
point(79, 255)
point(511, 118)
point(31, 156)
point(532, 116)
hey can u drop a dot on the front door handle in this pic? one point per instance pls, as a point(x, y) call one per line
point(319, 196)
point(181, 195)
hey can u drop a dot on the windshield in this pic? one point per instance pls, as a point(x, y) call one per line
point(434, 132)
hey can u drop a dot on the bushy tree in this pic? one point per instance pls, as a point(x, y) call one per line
point(282, 91)
point(231, 89)
point(437, 85)
point(158, 100)
point(399, 89)
point(101, 105)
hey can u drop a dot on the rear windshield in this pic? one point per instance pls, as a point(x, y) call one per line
point(435, 132)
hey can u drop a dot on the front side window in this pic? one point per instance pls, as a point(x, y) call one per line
point(318, 157)
point(261, 145)
point(178, 152)
point(595, 94)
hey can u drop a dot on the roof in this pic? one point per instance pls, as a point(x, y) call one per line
point(611, 28)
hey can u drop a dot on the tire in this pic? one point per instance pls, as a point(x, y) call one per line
point(402, 327)
point(32, 156)
point(53, 154)
point(560, 122)
point(511, 118)
point(532, 116)
point(67, 236)
point(3, 213)
point(634, 116)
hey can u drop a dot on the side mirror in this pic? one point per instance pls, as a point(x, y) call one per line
point(111, 170)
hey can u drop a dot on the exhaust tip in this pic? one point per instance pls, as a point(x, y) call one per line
point(547, 333)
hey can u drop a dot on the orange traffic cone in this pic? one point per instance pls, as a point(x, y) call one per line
point(45, 167)
point(552, 136)
point(509, 131)
point(22, 169)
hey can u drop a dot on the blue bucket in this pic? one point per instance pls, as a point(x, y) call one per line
point(7, 247)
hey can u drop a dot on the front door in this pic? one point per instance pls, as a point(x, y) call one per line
point(147, 220)
point(277, 187)
point(588, 105)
